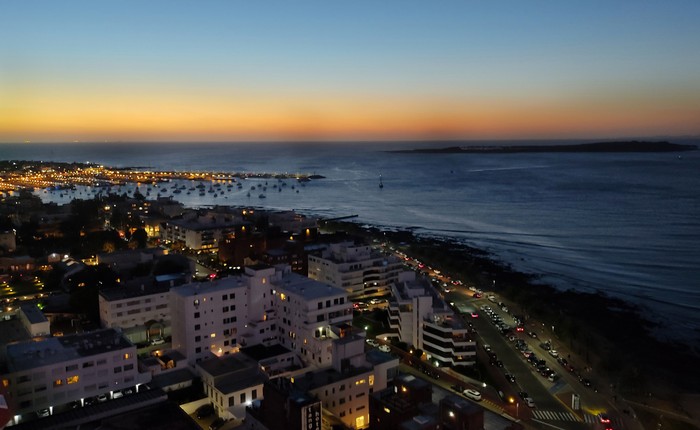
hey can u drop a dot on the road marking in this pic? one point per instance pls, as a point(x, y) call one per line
point(555, 416)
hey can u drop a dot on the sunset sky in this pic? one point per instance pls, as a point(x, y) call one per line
point(347, 70)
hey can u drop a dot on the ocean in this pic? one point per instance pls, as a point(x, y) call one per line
point(626, 224)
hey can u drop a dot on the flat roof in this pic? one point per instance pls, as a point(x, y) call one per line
point(321, 378)
point(235, 363)
point(307, 288)
point(29, 355)
point(173, 377)
point(33, 314)
point(261, 352)
point(214, 286)
point(205, 223)
point(232, 383)
point(125, 291)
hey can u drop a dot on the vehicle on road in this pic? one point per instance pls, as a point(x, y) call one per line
point(472, 394)
point(553, 353)
point(529, 402)
point(384, 348)
point(532, 334)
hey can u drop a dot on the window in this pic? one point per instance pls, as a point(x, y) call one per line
point(231, 401)
point(197, 338)
point(242, 398)
point(128, 367)
point(328, 303)
point(196, 315)
point(88, 364)
point(342, 401)
point(118, 369)
point(57, 383)
point(127, 356)
point(198, 349)
point(72, 379)
point(224, 297)
point(255, 394)
point(197, 327)
point(71, 368)
point(320, 305)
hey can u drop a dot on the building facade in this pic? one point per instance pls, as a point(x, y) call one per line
point(59, 370)
point(358, 269)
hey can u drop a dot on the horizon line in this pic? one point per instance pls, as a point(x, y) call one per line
point(362, 141)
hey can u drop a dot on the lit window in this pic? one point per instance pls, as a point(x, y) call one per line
point(127, 356)
point(387, 410)
point(212, 335)
point(371, 379)
point(72, 379)
point(58, 382)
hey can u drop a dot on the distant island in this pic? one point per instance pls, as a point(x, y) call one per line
point(627, 146)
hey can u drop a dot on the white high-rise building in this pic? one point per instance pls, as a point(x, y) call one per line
point(359, 269)
point(423, 320)
point(266, 305)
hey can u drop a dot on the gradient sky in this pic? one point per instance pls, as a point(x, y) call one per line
point(347, 70)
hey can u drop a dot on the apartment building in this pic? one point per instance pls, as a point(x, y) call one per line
point(423, 320)
point(359, 269)
point(265, 305)
point(344, 388)
point(232, 383)
point(202, 232)
point(59, 370)
point(143, 312)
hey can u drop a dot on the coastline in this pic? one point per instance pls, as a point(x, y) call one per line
point(612, 335)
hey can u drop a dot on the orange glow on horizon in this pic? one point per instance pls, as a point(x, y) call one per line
point(54, 114)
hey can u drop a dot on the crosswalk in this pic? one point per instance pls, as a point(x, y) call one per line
point(555, 416)
point(593, 419)
point(568, 416)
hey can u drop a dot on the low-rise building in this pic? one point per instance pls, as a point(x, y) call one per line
point(143, 312)
point(34, 320)
point(202, 232)
point(345, 387)
point(59, 370)
point(232, 383)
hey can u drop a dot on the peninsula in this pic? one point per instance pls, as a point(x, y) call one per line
point(626, 146)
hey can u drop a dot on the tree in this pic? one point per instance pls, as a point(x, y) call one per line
point(139, 238)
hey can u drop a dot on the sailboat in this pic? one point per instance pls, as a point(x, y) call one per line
point(381, 184)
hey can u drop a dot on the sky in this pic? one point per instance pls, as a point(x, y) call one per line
point(347, 70)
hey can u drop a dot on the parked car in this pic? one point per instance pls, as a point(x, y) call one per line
point(157, 341)
point(204, 411)
point(43, 413)
point(217, 423)
point(89, 401)
point(102, 398)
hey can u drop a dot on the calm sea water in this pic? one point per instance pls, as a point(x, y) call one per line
point(625, 224)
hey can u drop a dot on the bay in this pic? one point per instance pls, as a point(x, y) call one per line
point(627, 224)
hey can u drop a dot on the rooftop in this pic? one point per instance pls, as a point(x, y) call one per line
point(29, 355)
point(33, 314)
point(206, 223)
point(261, 352)
point(307, 288)
point(321, 378)
point(220, 366)
point(217, 285)
point(130, 291)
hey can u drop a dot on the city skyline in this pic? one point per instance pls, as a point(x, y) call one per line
point(161, 71)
